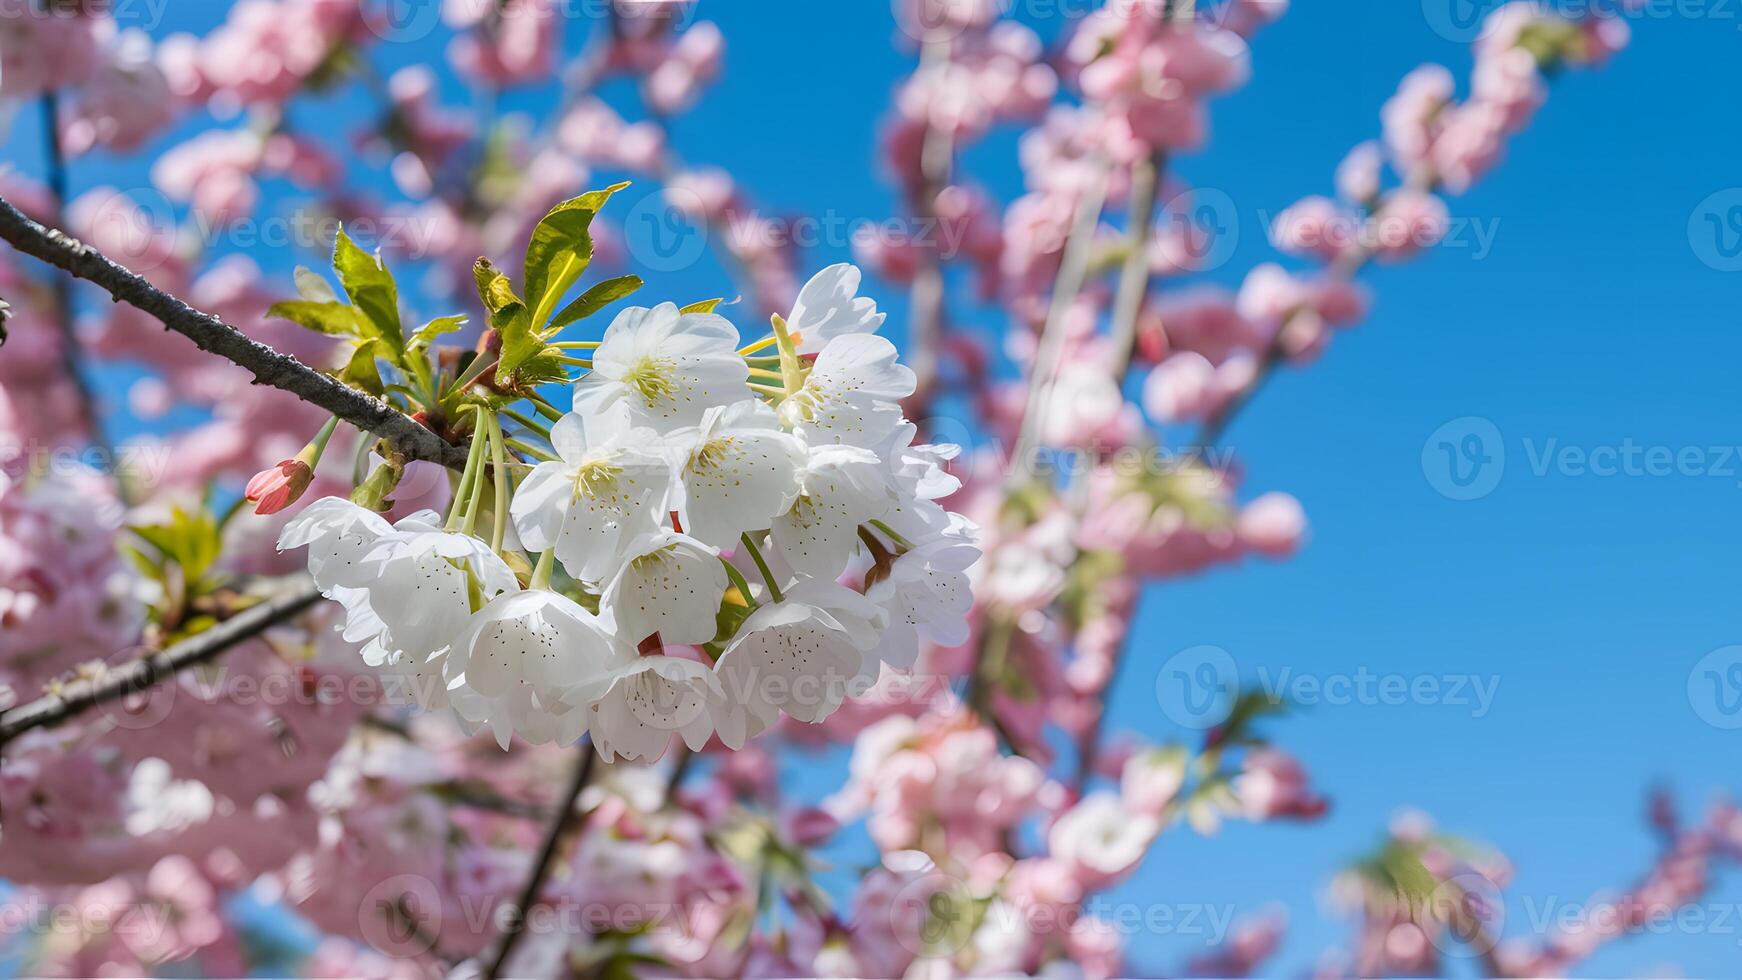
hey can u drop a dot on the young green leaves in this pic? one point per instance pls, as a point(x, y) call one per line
point(370, 320)
point(557, 254)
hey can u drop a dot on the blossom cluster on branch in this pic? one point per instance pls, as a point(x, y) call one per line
point(715, 556)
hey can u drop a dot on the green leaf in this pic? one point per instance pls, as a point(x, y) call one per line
point(427, 334)
point(560, 249)
point(191, 540)
point(596, 298)
point(705, 306)
point(494, 290)
point(313, 286)
point(331, 318)
point(371, 289)
point(519, 343)
point(361, 371)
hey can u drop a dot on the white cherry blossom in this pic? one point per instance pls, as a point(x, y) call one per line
point(736, 471)
point(671, 584)
point(338, 534)
point(425, 580)
point(841, 488)
point(664, 367)
point(795, 656)
point(828, 307)
point(925, 592)
point(610, 485)
point(852, 394)
point(648, 700)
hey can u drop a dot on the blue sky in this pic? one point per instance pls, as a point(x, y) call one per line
point(1594, 320)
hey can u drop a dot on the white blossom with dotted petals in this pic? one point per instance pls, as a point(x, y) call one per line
point(664, 367)
point(648, 700)
point(789, 656)
point(925, 592)
point(672, 585)
point(852, 395)
point(842, 488)
point(425, 578)
point(736, 471)
point(338, 534)
point(610, 485)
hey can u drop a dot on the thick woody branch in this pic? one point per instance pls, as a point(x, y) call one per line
point(270, 367)
point(140, 674)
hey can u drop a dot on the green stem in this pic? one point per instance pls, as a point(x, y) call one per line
point(576, 361)
point(577, 344)
point(740, 581)
point(762, 566)
point(541, 572)
point(545, 408)
point(898, 539)
point(528, 422)
point(542, 455)
point(499, 533)
point(468, 476)
point(319, 443)
point(481, 430)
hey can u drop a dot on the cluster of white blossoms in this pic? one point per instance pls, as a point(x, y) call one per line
point(707, 505)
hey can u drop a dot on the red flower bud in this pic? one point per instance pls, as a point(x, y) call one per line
point(272, 490)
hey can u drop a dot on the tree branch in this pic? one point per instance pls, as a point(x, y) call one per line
point(515, 927)
point(52, 709)
point(211, 334)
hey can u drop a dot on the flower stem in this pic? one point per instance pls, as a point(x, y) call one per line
point(577, 344)
point(499, 455)
point(760, 345)
point(468, 476)
point(542, 571)
point(480, 431)
point(528, 422)
point(545, 408)
point(317, 447)
point(542, 455)
point(768, 390)
point(762, 566)
point(898, 539)
point(740, 581)
point(576, 361)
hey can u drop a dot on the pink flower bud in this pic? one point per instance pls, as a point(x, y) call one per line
point(271, 490)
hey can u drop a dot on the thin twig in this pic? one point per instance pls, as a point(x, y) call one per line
point(214, 335)
point(52, 709)
point(515, 927)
